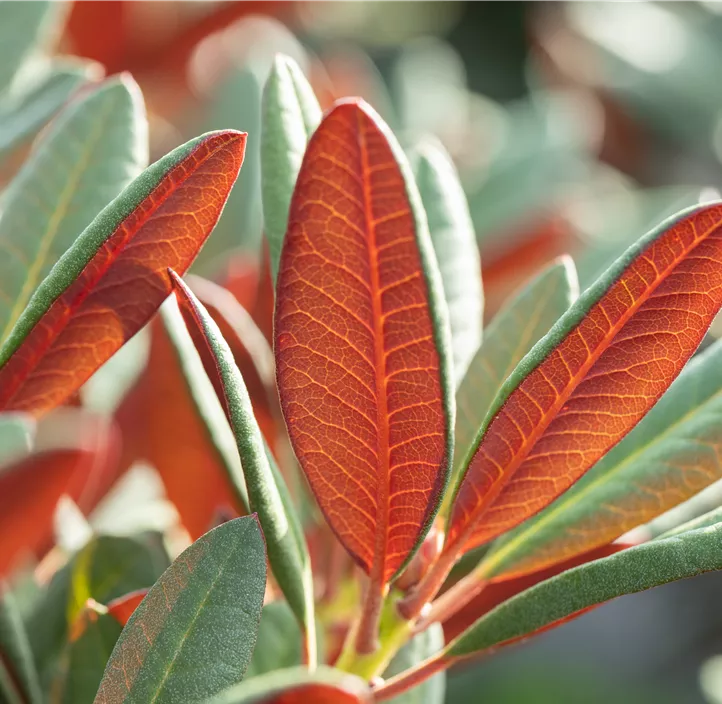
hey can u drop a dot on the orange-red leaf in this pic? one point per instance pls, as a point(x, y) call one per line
point(113, 279)
point(82, 466)
point(361, 356)
point(596, 374)
point(122, 608)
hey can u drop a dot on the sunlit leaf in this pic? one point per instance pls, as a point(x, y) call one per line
point(362, 342)
point(86, 158)
point(83, 311)
point(670, 456)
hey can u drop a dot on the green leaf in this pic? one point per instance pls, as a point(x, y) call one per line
point(452, 234)
point(236, 104)
point(706, 520)
point(207, 404)
point(670, 456)
point(88, 655)
point(21, 119)
point(267, 491)
point(17, 435)
point(194, 633)
point(24, 28)
point(279, 641)
point(18, 677)
point(106, 568)
point(87, 157)
point(324, 680)
point(516, 328)
point(291, 113)
point(627, 572)
point(422, 646)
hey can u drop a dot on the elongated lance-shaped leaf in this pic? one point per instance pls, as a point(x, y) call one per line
point(113, 278)
point(86, 158)
point(362, 342)
point(588, 382)
point(527, 317)
point(290, 115)
point(298, 686)
point(17, 432)
point(579, 589)
point(670, 456)
point(24, 29)
point(19, 680)
point(267, 492)
point(193, 635)
point(454, 240)
point(711, 518)
point(207, 405)
point(22, 119)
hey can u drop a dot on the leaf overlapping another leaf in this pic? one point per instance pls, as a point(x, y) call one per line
point(82, 312)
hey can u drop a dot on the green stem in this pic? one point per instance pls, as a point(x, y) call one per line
point(394, 632)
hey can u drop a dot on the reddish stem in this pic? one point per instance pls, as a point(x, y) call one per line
point(367, 640)
point(452, 601)
point(411, 678)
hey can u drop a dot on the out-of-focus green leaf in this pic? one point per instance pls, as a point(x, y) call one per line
point(511, 334)
point(671, 455)
point(201, 616)
point(236, 104)
point(21, 119)
point(106, 568)
point(452, 234)
point(87, 157)
point(17, 434)
point(422, 646)
point(324, 685)
point(24, 28)
point(279, 641)
point(571, 592)
point(267, 491)
point(87, 656)
point(18, 677)
point(290, 115)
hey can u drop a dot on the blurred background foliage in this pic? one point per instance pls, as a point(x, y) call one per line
point(575, 128)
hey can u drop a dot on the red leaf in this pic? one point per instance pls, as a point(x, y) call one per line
point(77, 324)
point(588, 384)
point(83, 467)
point(122, 608)
point(361, 381)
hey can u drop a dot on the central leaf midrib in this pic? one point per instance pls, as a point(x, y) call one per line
point(378, 566)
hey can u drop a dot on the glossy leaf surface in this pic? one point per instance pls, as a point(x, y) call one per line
point(19, 680)
point(267, 492)
point(84, 160)
point(516, 328)
point(454, 240)
point(82, 313)
point(669, 457)
point(587, 383)
point(579, 589)
point(194, 633)
point(362, 342)
point(420, 647)
point(290, 115)
point(297, 686)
